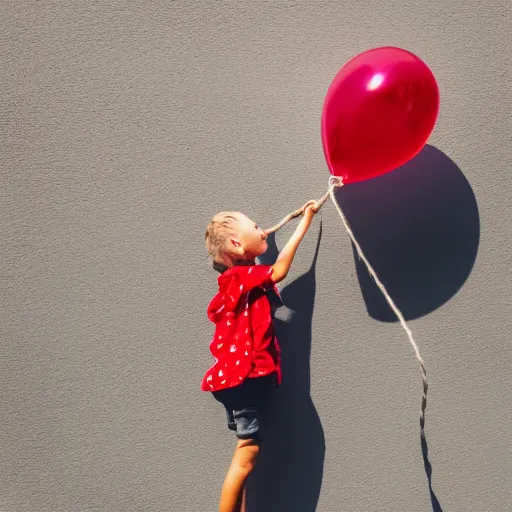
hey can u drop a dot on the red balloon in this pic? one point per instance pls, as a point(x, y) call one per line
point(378, 113)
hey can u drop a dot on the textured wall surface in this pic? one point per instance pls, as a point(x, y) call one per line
point(123, 127)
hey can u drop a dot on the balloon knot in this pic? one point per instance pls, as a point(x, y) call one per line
point(336, 181)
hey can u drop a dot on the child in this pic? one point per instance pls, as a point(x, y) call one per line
point(247, 356)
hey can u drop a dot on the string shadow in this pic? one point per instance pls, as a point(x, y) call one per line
point(419, 228)
point(289, 472)
point(436, 506)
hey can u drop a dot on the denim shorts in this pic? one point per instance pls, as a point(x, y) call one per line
point(244, 403)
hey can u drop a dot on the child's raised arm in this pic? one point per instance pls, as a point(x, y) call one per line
point(284, 260)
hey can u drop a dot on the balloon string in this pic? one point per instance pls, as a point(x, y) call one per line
point(393, 307)
point(335, 182)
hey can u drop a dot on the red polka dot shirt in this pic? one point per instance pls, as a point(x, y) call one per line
point(244, 344)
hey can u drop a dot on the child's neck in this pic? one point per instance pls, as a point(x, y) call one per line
point(244, 263)
point(221, 268)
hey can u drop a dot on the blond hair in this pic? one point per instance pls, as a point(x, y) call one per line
point(217, 239)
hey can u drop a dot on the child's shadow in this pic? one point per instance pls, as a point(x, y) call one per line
point(288, 475)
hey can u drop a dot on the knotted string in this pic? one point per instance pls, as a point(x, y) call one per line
point(334, 182)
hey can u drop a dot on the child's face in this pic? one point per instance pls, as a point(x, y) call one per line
point(251, 238)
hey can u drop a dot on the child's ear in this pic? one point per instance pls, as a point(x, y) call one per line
point(237, 246)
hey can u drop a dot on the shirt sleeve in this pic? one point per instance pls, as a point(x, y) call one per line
point(256, 275)
point(236, 284)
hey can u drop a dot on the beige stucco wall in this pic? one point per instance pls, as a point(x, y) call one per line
point(123, 127)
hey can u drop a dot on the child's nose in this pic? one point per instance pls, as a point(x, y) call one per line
point(263, 234)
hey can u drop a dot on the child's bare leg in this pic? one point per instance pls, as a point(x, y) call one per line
point(244, 460)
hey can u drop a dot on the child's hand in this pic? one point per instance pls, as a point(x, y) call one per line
point(310, 209)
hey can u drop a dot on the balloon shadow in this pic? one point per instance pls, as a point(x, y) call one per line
point(289, 472)
point(419, 228)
